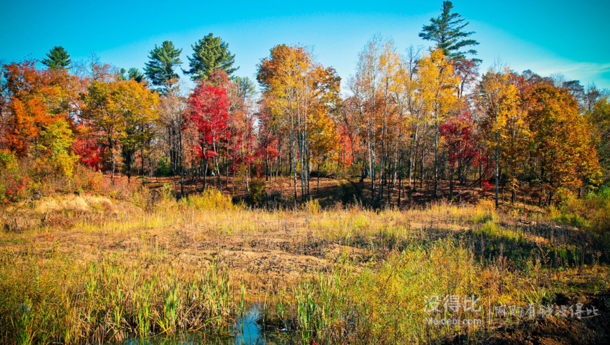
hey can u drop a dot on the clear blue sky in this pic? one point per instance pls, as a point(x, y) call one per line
point(568, 37)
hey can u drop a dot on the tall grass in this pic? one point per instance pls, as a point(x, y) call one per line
point(385, 303)
point(58, 298)
point(591, 212)
point(114, 269)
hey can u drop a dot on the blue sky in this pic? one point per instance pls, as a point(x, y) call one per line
point(548, 37)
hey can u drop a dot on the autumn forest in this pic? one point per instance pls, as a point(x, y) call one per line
point(194, 194)
point(423, 115)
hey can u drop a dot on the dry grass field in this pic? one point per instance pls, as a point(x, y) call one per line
point(84, 268)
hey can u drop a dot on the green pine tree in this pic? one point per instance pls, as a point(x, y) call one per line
point(131, 74)
point(135, 74)
point(210, 54)
point(245, 87)
point(57, 58)
point(447, 31)
point(160, 68)
point(121, 74)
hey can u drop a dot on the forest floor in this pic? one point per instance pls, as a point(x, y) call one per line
point(331, 190)
point(81, 268)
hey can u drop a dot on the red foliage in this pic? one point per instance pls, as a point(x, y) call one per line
point(211, 153)
point(268, 147)
point(486, 186)
point(15, 188)
point(465, 145)
point(90, 152)
point(209, 107)
point(461, 141)
point(346, 147)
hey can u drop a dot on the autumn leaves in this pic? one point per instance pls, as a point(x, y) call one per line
point(423, 117)
point(300, 98)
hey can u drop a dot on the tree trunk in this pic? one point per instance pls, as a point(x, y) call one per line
point(421, 167)
point(294, 162)
point(480, 171)
point(181, 169)
point(410, 171)
point(436, 161)
point(496, 171)
point(204, 171)
point(399, 189)
point(450, 181)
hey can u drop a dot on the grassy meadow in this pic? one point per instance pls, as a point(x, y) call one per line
point(406, 194)
point(105, 268)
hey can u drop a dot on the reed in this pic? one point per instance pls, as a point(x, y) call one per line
point(111, 269)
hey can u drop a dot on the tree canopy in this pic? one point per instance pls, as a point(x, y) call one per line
point(57, 58)
point(447, 30)
point(160, 69)
point(428, 117)
point(210, 54)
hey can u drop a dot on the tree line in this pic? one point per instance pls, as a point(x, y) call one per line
point(426, 115)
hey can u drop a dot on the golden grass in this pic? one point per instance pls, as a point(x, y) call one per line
point(335, 275)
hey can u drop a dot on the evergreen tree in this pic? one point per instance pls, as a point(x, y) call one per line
point(131, 74)
point(210, 54)
point(245, 87)
point(136, 75)
point(121, 74)
point(447, 31)
point(160, 68)
point(58, 57)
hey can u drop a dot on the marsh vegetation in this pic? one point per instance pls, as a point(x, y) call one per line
point(90, 268)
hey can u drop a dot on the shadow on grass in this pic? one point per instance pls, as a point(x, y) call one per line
point(513, 247)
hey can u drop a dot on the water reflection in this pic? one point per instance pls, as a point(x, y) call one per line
point(247, 332)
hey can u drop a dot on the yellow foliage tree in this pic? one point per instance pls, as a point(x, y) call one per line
point(563, 154)
point(121, 112)
point(503, 123)
point(55, 142)
point(300, 93)
point(438, 89)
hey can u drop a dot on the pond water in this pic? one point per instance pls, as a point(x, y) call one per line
point(247, 332)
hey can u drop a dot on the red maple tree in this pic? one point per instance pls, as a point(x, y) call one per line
point(209, 106)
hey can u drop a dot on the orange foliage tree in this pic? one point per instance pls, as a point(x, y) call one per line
point(562, 151)
point(36, 98)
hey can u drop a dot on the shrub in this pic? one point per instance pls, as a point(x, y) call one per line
point(489, 228)
point(87, 180)
point(592, 211)
point(313, 206)
point(572, 219)
point(257, 192)
point(163, 168)
point(8, 160)
point(30, 179)
point(15, 181)
point(210, 199)
point(597, 207)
